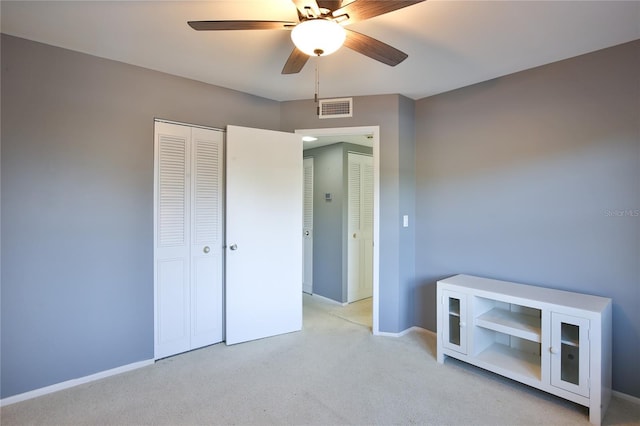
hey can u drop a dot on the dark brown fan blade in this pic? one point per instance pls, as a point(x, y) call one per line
point(330, 4)
point(240, 25)
point(296, 62)
point(359, 10)
point(375, 49)
point(307, 8)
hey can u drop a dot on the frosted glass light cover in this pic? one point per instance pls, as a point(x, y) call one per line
point(318, 37)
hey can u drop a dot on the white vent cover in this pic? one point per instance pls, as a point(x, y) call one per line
point(336, 108)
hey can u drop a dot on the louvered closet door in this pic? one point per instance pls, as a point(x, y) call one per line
point(206, 238)
point(307, 230)
point(360, 227)
point(187, 237)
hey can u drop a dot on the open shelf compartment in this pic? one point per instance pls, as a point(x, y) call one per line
point(508, 353)
point(512, 360)
point(513, 323)
point(515, 320)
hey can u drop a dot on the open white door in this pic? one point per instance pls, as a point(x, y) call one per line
point(263, 222)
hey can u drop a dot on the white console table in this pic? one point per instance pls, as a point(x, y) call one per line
point(553, 340)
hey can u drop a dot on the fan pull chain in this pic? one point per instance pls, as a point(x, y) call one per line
point(317, 94)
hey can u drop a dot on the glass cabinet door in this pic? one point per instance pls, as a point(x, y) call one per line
point(570, 353)
point(454, 318)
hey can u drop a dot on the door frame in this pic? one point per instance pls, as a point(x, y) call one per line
point(375, 132)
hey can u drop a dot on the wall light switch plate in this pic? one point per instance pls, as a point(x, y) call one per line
point(405, 221)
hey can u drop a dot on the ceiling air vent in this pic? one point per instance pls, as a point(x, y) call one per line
point(336, 108)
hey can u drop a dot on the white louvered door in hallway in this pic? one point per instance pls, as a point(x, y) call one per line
point(188, 211)
point(360, 227)
point(307, 227)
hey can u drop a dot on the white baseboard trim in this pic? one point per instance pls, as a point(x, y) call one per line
point(404, 332)
point(626, 397)
point(73, 382)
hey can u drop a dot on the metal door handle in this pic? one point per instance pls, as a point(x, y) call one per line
point(306, 233)
point(233, 247)
point(206, 249)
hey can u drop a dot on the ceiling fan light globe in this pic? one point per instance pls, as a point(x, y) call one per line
point(318, 37)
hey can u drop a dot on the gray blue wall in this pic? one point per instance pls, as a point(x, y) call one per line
point(532, 177)
point(535, 178)
point(406, 202)
point(77, 205)
point(330, 218)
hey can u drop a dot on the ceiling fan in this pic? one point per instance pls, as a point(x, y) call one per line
point(320, 30)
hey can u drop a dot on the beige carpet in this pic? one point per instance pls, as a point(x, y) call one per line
point(334, 372)
point(359, 312)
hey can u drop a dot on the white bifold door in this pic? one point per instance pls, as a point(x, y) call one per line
point(188, 238)
point(263, 277)
point(360, 227)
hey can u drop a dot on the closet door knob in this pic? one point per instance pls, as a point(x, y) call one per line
point(206, 249)
point(233, 247)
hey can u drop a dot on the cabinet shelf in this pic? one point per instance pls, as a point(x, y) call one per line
point(516, 362)
point(454, 307)
point(512, 323)
point(570, 335)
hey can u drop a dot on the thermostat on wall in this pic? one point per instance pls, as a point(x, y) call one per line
point(327, 196)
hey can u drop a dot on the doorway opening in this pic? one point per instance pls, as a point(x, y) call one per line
point(354, 136)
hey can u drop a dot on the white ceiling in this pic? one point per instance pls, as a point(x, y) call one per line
point(450, 44)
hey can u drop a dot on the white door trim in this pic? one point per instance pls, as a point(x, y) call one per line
point(191, 125)
point(375, 131)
